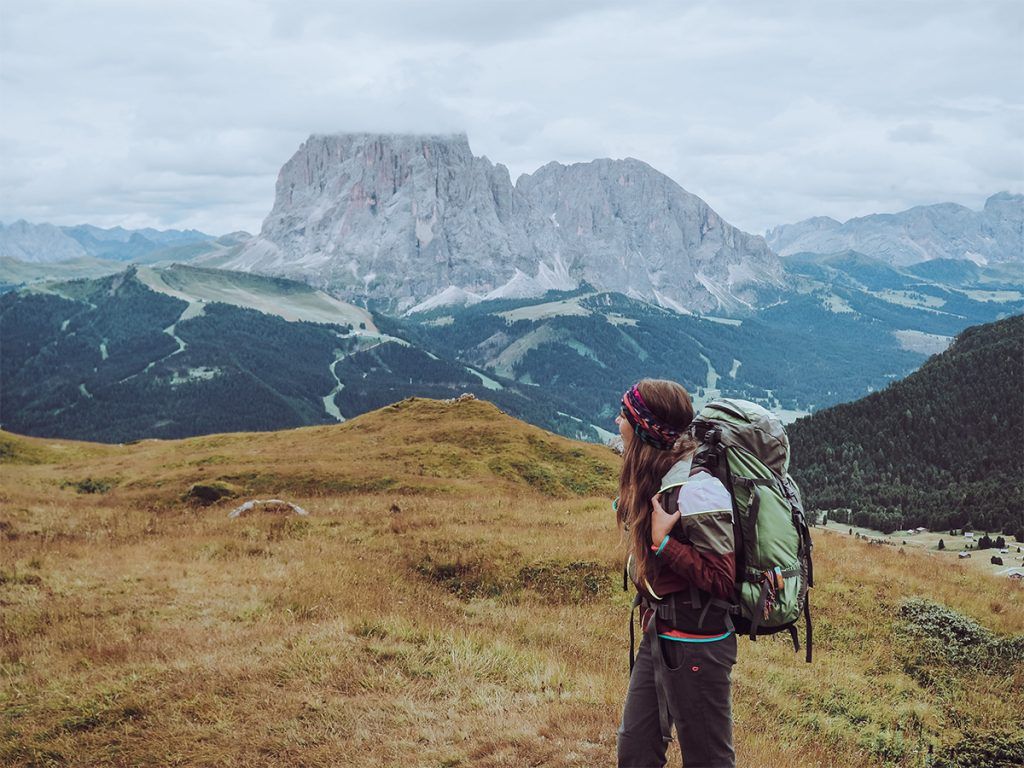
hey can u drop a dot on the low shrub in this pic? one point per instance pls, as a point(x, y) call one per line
point(466, 576)
point(933, 634)
point(571, 582)
point(984, 750)
point(211, 492)
point(90, 485)
point(477, 574)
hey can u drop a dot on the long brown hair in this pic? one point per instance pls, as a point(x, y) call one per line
point(643, 467)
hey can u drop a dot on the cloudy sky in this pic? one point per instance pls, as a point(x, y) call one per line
point(179, 114)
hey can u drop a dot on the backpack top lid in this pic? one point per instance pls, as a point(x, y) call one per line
point(746, 425)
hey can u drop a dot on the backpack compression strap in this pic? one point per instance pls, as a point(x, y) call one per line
point(671, 504)
point(637, 602)
point(807, 619)
point(659, 679)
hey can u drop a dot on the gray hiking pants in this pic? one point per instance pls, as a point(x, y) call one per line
point(698, 683)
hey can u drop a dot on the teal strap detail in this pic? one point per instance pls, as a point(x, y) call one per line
point(695, 639)
point(663, 543)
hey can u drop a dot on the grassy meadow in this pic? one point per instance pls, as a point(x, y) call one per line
point(453, 598)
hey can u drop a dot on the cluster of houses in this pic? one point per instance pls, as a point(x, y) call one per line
point(1014, 572)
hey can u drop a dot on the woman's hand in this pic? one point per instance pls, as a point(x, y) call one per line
point(661, 521)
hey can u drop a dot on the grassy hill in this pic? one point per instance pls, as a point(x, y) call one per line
point(16, 274)
point(452, 598)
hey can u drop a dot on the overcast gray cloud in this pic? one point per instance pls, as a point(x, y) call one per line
point(180, 114)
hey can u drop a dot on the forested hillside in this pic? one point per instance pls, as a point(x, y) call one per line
point(113, 360)
point(943, 448)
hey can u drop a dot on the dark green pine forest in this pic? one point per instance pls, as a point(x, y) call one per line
point(943, 448)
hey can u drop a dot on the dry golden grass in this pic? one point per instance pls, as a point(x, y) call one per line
point(453, 599)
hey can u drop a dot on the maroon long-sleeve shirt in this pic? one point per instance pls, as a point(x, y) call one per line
point(700, 550)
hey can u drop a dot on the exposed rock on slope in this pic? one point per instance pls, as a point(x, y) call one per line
point(630, 228)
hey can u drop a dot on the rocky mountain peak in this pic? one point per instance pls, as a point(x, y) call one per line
point(396, 219)
point(402, 219)
point(37, 243)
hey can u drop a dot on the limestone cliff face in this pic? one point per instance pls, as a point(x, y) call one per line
point(409, 220)
point(397, 219)
point(629, 228)
point(946, 231)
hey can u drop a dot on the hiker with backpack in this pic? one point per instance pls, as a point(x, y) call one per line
point(716, 543)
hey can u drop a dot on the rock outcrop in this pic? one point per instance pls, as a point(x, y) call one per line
point(397, 219)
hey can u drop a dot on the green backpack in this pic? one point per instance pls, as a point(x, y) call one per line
point(746, 448)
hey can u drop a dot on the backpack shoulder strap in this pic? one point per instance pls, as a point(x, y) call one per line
point(670, 497)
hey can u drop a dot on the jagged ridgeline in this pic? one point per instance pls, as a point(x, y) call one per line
point(414, 220)
point(944, 448)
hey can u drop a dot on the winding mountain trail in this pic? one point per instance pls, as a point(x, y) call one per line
point(329, 405)
point(194, 309)
point(364, 342)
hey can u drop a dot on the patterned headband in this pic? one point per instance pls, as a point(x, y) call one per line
point(645, 424)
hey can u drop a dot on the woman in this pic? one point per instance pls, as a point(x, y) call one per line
point(683, 563)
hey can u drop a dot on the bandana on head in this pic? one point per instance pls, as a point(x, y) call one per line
point(645, 424)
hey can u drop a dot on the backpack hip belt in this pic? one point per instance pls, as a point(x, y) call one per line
point(668, 610)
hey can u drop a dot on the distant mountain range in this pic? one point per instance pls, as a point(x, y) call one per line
point(407, 223)
point(945, 231)
point(944, 448)
point(182, 350)
point(46, 243)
